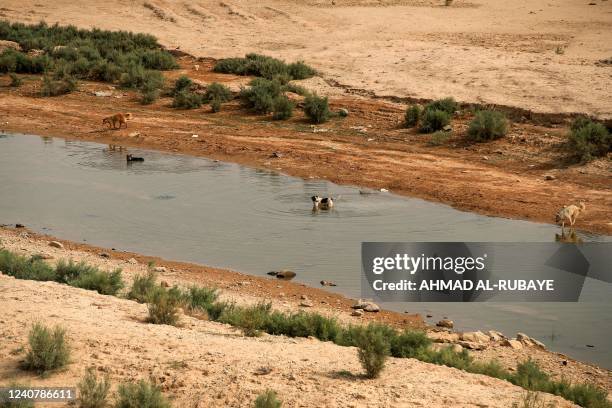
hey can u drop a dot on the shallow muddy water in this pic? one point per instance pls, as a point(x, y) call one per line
point(225, 215)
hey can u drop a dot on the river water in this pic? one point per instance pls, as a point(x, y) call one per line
point(225, 215)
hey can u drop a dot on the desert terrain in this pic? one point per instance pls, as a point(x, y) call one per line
point(540, 56)
point(202, 363)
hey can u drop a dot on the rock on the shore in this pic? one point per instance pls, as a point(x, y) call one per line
point(284, 274)
point(495, 335)
point(366, 305)
point(357, 313)
point(56, 244)
point(449, 324)
point(443, 337)
point(475, 337)
point(327, 283)
point(306, 303)
point(473, 345)
point(512, 343)
point(160, 269)
point(529, 341)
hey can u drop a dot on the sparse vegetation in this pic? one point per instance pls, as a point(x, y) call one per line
point(433, 120)
point(217, 91)
point(57, 87)
point(85, 54)
point(448, 105)
point(21, 267)
point(89, 277)
point(6, 402)
point(187, 100)
point(487, 125)
point(264, 66)
point(260, 95)
point(93, 391)
point(268, 399)
point(588, 139)
point(413, 113)
point(373, 349)
point(140, 395)
point(439, 138)
point(164, 305)
point(282, 109)
point(48, 349)
point(143, 287)
point(183, 83)
point(316, 108)
point(15, 80)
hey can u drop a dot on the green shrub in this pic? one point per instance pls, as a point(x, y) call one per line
point(140, 395)
point(89, 277)
point(433, 120)
point(268, 399)
point(148, 96)
point(529, 375)
point(439, 138)
point(264, 66)
point(589, 139)
point(373, 350)
point(15, 80)
point(448, 105)
point(260, 95)
point(316, 108)
point(299, 70)
point(217, 91)
point(183, 83)
point(187, 100)
point(409, 344)
point(163, 306)
point(282, 79)
point(93, 392)
point(103, 70)
point(25, 268)
point(136, 76)
point(215, 105)
point(57, 87)
point(158, 60)
point(296, 89)
point(250, 319)
point(282, 109)
point(200, 298)
point(48, 349)
point(143, 287)
point(411, 118)
point(487, 125)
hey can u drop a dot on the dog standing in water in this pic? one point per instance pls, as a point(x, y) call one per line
point(570, 213)
point(321, 203)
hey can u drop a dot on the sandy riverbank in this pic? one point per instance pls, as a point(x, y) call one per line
point(284, 295)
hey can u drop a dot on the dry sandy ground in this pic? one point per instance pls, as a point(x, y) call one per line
point(206, 364)
point(308, 374)
point(540, 55)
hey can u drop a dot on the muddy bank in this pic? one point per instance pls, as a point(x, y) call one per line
point(525, 175)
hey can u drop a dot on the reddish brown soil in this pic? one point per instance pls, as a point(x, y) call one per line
point(368, 148)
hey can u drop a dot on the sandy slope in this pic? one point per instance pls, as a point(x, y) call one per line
point(205, 364)
point(492, 51)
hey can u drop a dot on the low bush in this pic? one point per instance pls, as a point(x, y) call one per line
point(411, 118)
point(57, 87)
point(487, 125)
point(187, 100)
point(268, 399)
point(588, 140)
point(251, 319)
point(296, 89)
point(260, 95)
point(143, 287)
point(433, 120)
point(136, 76)
point(48, 349)
point(200, 298)
point(439, 138)
point(217, 92)
point(93, 391)
point(215, 105)
point(448, 105)
point(15, 80)
point(409, 344)
point(282, 108)
point(299, 70)
point(22, 267)
point(373, 349)
point(89, 277)
point(264, 66)
point(164, 305)
point(140, 395)
point(316, 109)
point(148, 96)
point(183, 83)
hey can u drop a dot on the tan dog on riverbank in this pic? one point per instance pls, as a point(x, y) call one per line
point(121, 118)
point(570, 213)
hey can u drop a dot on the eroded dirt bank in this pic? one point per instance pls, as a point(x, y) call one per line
point(243, 289)
point(525, 175)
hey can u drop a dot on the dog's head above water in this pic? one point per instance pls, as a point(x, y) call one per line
point(316, 199)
